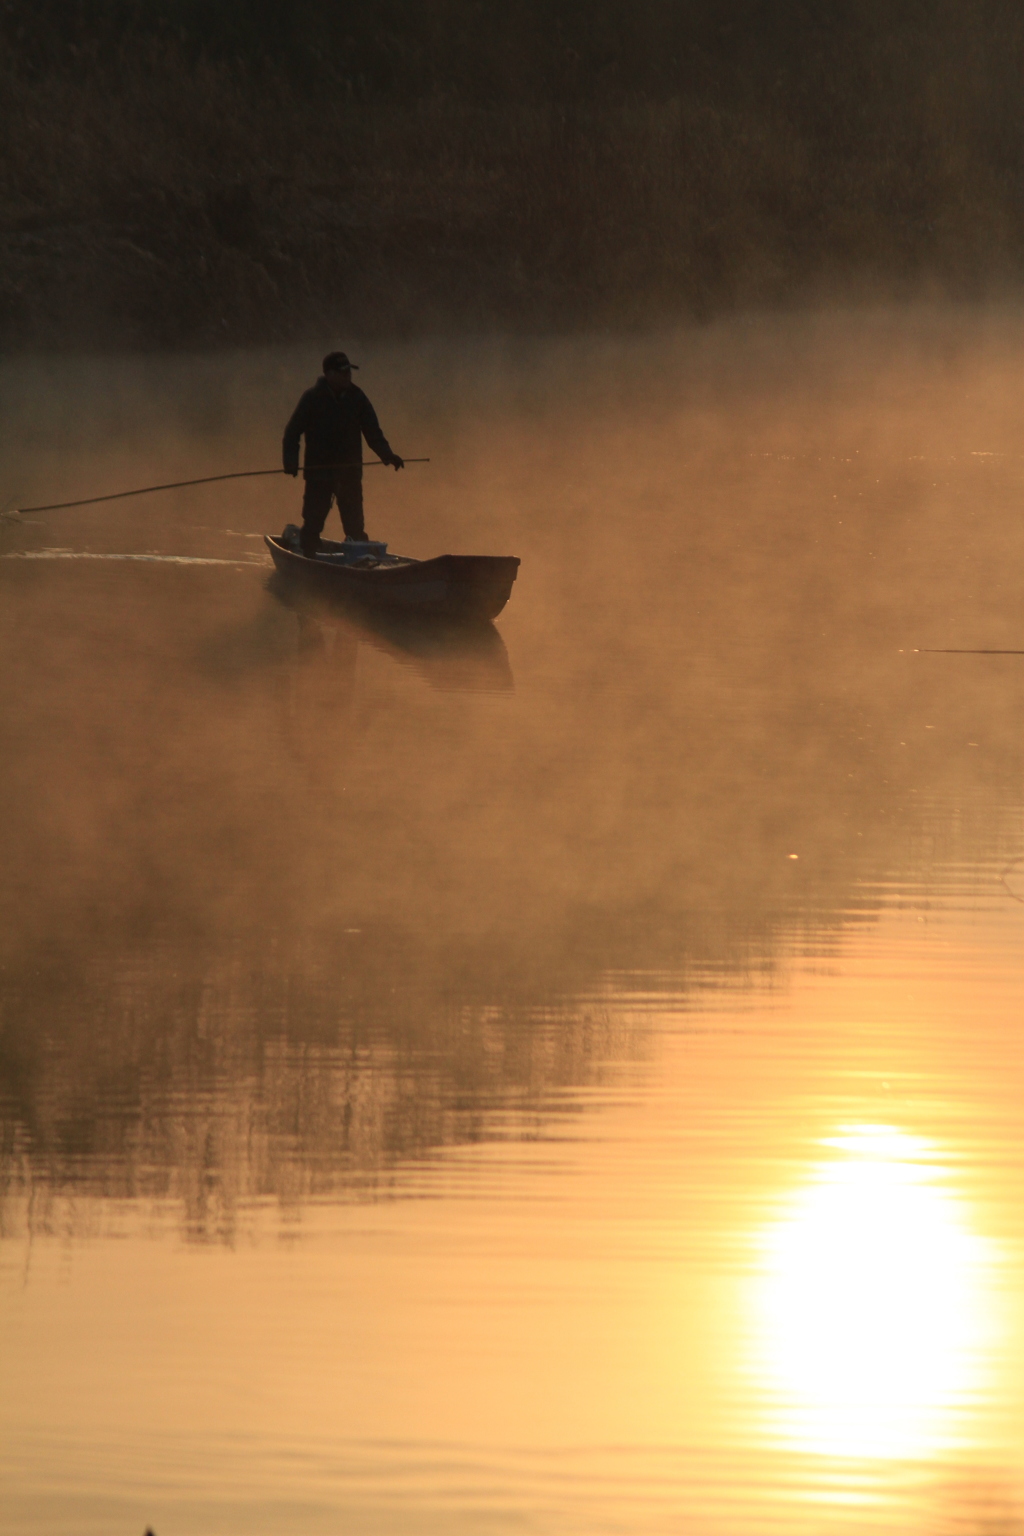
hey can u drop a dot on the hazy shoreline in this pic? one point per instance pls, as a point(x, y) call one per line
point(174, 203)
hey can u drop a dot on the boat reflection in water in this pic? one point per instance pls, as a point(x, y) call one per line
point(449, 655)
point(873, 1310)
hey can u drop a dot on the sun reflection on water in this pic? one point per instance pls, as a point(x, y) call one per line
point(872, 1314)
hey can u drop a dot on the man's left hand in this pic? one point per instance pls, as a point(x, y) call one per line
point(396, 462)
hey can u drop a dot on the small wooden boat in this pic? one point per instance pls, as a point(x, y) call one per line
point(451, 586)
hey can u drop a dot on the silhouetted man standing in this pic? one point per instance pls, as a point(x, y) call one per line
point(334, 416)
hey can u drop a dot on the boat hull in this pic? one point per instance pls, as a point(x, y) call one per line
point(452, 586)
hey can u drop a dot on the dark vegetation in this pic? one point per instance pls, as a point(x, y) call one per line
point(176, 171)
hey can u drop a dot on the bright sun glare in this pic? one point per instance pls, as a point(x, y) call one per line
point(870, 1310)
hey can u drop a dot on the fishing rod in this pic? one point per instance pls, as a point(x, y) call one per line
point(177, 485)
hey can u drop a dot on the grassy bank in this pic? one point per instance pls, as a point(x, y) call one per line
point(174, 190)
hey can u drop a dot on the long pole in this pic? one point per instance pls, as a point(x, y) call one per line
point(177, 485)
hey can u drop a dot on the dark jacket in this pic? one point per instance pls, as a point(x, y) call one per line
point(334, 426)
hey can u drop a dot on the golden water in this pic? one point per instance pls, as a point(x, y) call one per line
point(566, 1079)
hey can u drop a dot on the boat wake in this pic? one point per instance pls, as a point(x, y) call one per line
point(75, 554)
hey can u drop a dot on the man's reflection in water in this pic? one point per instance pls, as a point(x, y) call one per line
point(312, 640)
point(319, 697)
point(319, 717)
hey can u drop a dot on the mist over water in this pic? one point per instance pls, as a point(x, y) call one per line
point(566, 1073)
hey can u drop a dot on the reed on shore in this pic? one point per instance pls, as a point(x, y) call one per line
point(161, 186)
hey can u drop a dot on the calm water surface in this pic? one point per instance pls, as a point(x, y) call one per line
point(562, 1079)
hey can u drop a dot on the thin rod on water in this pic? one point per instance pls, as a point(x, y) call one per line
point(177, 485)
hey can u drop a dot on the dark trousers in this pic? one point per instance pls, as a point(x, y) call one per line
point(345, 486)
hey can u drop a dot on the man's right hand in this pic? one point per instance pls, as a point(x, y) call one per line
point(292, 472)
